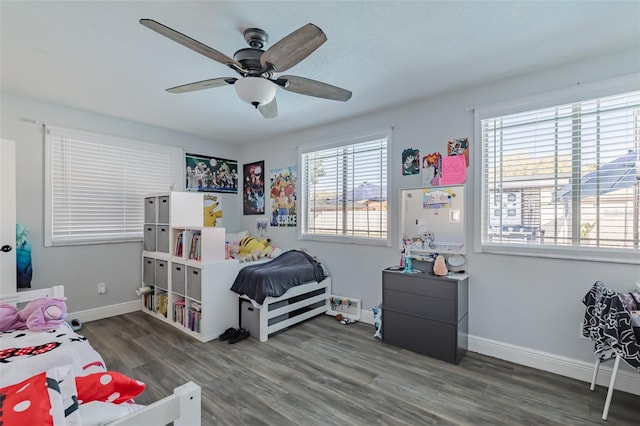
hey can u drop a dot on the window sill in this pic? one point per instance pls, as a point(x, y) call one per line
point(344, 240)
point(582, 254)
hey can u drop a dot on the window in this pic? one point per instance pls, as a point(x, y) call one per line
point(95, 185)
point(344, 191)
point(564, 178)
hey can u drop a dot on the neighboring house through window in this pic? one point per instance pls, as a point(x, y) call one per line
point(344, 190)
point(563, 179)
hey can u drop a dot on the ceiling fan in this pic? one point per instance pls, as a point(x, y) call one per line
point(259, 68)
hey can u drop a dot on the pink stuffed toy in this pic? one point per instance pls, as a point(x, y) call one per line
point(38, 315)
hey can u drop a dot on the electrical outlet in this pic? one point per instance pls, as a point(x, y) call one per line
point(638, 286)
point(102, 288)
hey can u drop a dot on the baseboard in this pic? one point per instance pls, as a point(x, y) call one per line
point(105, 311)
point(575, 369)
point(366, 316)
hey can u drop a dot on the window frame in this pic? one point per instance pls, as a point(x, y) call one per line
point(578, 93)
point(385, 133)
point(175, 154)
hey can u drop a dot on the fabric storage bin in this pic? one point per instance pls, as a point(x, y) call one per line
point(178, 272)
point(148, 271)
point(149, 242)
point(150, 210)
point(162, 274)
point(162, 238)
point(250, 316)
point(163, 209)
point(194, 281)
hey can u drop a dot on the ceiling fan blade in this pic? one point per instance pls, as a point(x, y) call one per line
point(204, 84)
point(293, 48)
point(269, 110)
point(306, 86)
point(192, 44)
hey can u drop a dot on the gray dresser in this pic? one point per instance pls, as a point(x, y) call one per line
point(426, 314)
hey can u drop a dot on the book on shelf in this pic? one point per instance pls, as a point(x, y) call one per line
point(178, 250)
point(194, 250)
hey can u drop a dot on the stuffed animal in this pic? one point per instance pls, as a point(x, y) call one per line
point(38, 315)
point(249, 245)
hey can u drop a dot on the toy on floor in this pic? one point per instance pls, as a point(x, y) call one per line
point(38, 315)
point(377, 321)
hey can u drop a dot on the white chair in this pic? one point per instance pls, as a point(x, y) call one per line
point(608, 323)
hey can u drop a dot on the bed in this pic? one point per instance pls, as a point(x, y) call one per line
point(289, 289)
point(79, 389)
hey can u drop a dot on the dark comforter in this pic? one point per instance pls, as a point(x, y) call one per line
point(275, 277)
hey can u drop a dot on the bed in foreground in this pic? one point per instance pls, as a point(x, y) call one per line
point(55, 377)
point(289, 289)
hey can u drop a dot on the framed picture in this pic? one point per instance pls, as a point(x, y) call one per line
point(253, 188)
point(210, 174)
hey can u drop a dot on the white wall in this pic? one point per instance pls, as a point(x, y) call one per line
point(80, 268)
point(525, 302)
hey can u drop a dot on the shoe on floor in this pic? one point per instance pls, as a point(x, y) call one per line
point(227, 334)
point(239, 335)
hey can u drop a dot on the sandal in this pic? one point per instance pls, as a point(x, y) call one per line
point(227, 334)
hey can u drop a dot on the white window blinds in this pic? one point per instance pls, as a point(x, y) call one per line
point(95, 185)
point(564, 176)
point(345, 191)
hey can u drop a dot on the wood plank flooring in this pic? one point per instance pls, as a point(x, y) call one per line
point(323, 373)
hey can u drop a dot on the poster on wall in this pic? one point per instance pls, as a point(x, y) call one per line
point(211, 210)
point(283, 196)
point(253, 188)
point(410, 161)
point(210, 174)
point(261, 227)
point(459, 146)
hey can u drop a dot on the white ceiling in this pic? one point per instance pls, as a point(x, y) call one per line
point(94, 55)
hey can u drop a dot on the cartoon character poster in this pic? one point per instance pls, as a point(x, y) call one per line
point(210, 174)
point(436, 199)
point(459, 146)
point(410, 161)
point(212, 210)
point(283, 196)
point(253, 188)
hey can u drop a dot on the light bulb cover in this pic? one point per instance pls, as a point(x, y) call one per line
point(255, 90)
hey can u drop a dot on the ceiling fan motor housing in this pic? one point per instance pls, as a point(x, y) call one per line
point(249, 58)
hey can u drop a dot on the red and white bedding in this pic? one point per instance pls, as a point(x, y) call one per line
point(56, 378)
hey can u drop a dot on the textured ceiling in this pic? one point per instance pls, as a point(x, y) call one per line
point(94, 55)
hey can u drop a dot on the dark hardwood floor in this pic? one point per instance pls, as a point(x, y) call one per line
point(323, 373)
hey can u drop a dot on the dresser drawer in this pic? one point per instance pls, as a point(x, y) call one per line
point(421, 335)
point(420, 305)
point(420, 284)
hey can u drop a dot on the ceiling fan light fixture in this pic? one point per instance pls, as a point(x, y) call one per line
point(256, 91)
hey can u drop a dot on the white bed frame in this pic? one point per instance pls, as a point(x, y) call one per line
point(182, 408)
point(300, 290)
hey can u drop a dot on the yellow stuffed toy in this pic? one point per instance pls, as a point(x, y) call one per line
point(251, 247)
